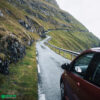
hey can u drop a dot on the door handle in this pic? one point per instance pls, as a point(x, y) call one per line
point(78, 83)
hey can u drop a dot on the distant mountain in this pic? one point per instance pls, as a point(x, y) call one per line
point(21, 21)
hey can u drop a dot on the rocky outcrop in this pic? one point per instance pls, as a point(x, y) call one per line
point(31, 25)
point(40, 10)
point(11, 51)
point(34, 25)
point(37, 15)
point(8, 12)
point(26, 25)
point(1, 14)
point(20, 1)
point(4, 63)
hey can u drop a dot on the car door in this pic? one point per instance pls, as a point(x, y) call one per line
point(95, 77)
point(75, 77)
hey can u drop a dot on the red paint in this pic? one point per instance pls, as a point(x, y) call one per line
point(91, 89)
point(80, 88)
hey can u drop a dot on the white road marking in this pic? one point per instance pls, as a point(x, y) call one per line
point(36, 52)
point(37, 59)
point(38, 68)
point(37, 63)
point(41, 96)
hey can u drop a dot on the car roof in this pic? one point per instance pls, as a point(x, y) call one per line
point(97, 49)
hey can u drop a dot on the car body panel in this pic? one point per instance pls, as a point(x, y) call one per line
point(77, 88)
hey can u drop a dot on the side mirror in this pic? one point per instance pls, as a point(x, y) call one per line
point(65, 66)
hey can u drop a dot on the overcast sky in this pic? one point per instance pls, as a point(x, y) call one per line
point(86, 11)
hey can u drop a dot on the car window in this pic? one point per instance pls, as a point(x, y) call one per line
point(96, 76)
point(82, 63)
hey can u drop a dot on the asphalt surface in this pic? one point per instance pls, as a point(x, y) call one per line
point(49, 72)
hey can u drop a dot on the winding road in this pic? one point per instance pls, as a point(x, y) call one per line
point(49, 71)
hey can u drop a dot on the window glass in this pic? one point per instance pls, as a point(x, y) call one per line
point(82, 63)
point(96, 76)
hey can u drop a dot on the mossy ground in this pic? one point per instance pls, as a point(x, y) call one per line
point(22, 80)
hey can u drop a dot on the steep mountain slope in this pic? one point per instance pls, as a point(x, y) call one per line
point(20, 20)
point(16, 35)
point(14, 38)
point(48, 15)
point(73, 41)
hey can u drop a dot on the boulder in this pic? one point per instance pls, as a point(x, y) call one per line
point(1, 14)
point(26, 25)
point(8, 12)
point(12, 50)
point(4, 64)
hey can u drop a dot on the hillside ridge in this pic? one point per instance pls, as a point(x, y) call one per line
point(23, 21)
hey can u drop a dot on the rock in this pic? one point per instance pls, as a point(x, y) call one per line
point(24, 24)
point(13, 50)
point(0, 61)
point(29, 43)
point(8, 12)
point(2, 29)
point(53, 2)
point(21, 1)
point(4, 67)
point(34, 25)
point(1, 14)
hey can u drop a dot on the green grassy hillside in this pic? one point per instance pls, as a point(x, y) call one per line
point(71, 35)
point(76, 41)
point(22, 78)
point(22, 22)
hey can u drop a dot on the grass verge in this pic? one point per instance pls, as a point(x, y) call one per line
point(22, 80)
point(65, 55)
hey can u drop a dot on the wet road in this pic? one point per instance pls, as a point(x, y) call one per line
point(49, 72)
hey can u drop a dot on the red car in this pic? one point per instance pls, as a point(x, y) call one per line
point(81, 78)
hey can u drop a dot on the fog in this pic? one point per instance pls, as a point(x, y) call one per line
point(86, 11)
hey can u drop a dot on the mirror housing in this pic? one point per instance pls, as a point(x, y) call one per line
point(65, 66)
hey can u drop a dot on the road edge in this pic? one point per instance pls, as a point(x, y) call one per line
point(41, 96)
